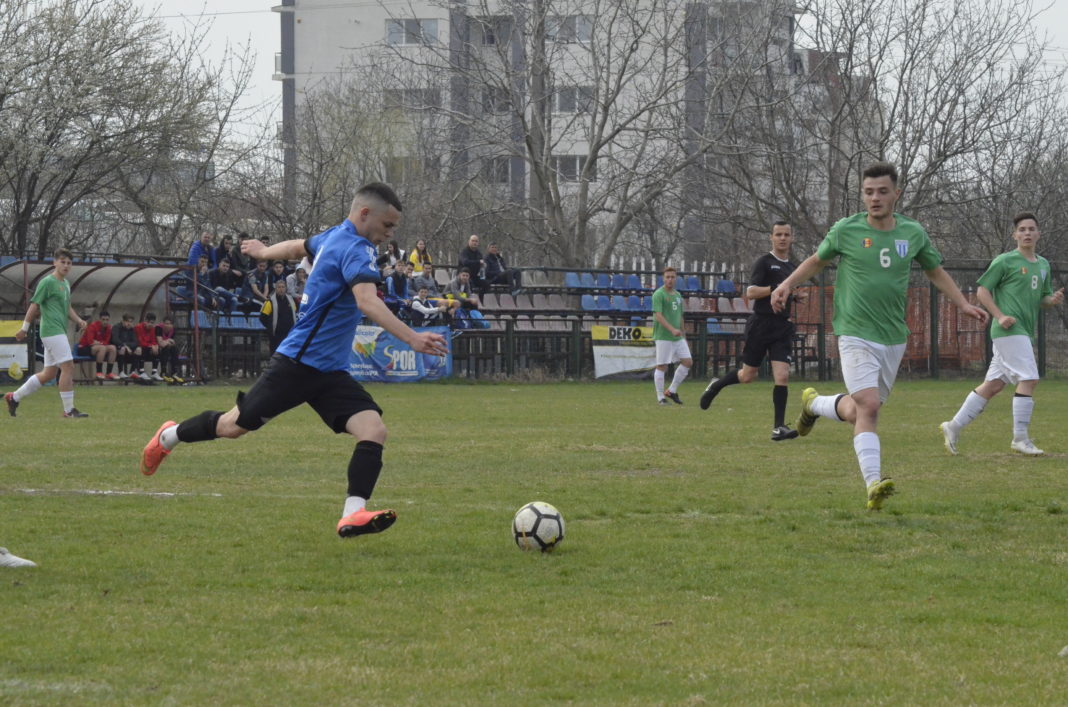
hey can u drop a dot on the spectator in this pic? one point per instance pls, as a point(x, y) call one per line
point(460, 290)
point(426, 280)
point(397, 296)
point(395, 253)
point(202, 247)
point(276, 273)
point(256, 284)
point(471, 260)
point(241, 264)
point(147, 347)
point(168, 351)
point(225, 285)
point(426, 312)
point(278, 314)
point(203, 288)
point(295, 283)
point(420, 256)
point(222, 251)
point(96, 342)
point(497, 273)
point(126, 348)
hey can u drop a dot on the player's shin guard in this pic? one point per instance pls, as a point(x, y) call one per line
point(200, 428)
point(364, 468)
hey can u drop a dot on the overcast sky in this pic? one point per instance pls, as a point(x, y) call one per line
point(251, 21)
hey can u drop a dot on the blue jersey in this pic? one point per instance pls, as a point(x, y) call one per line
point(328, 316)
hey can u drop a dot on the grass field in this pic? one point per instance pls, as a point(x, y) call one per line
point(703, 563)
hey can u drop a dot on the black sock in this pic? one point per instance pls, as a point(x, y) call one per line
point(729, 379)
point(200, 428)
point(364, 467)
point(778, 398)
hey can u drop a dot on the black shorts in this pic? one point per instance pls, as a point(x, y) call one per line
point(85, 350)
point(767, 335)
point(335, 395)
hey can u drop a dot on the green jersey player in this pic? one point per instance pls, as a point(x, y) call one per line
point(669, 338)
point(875, 251)
point(1013, 289)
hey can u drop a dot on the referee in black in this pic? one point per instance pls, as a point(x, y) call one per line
point(766, 333)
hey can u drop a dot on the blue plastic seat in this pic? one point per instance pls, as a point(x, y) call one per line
point(693, 283)
point(619, 303)
point(713, 326)
point(725, 287)
point(589, 303)
point(587, 280)
point(604, 303)
point(203, 320)
point(634, 283)
point(571, 280)
point(619, 281)
point(604, 280)
point(634, 303)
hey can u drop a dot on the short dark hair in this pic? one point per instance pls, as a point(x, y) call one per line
point(150, 317)
point(127, 317)
point(464, 270)
point(1023, 216)
point(224, 260)
point(381, 191)
point(104, 313)
point(880, 169)
point(780, 223)
point(62, 253)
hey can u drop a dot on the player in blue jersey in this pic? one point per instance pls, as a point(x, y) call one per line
point(311, 364)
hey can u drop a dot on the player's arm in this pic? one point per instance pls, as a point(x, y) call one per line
point(1053, 300)
point(376, 310)
point(73, 316)
point(32, 313)
point(664, 323)
point(948, 287)
point(805, 271)
point(292, 249)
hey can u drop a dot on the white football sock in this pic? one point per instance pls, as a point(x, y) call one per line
point(1022, 407)
point(969, 410)
point(658, 381)
point(67, 396)
point(31, 386)
point(680, 375)
point(169, 437)
point(866, 445)
point(353, 504)
point(825, 406)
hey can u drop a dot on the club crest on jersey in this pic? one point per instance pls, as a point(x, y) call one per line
point(1023, 270)
point(867, 243)
point(902, 248)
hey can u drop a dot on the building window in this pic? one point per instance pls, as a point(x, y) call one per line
point(412, 169)
point(494, 30)
point(569, 29)
point(495, 170)
point(495, 100)
point(413, 99)
point(574, 99)
point(404, 32)
point(569, 167)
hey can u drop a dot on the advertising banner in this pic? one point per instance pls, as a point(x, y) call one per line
point(14, 358)
point(378, 356)
point(618, 349)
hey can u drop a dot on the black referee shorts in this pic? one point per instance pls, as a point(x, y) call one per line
point(767, 335)
point(335, 395)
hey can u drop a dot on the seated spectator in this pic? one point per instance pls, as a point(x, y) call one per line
point(426, 280)
point(397, 296)
point(126, 348)
point(223, 250)
point(205, 296)
point(427, 312)
point(295, 283)
point(277, 272)
point(96, 342)
point(460, 290)
point(256, 285)
point(278, 314)
point(168, 351)
point(225, 285)
point(147, 348)
point(202, 247)
point(420, 256)
point(395, 253)
point(497, 273)
point(471, 260)
point(241, 264)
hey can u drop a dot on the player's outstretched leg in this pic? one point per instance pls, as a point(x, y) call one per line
point(154, 452)
point(878, 492)
point(950, 436)
point(364, 521)
point(364, 468)
point(807, 418)
point(12, 404)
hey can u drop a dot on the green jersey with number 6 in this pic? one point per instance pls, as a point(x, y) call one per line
point(1018, 286)
point(871, 288)
point(668, 304)
point(53, 297)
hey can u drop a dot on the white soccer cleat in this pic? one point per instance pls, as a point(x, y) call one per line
point(9, 560)
point(950, 437)
point(1026, 447)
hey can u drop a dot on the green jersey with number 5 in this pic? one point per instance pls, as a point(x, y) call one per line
point(1018, 286)
point(871, 288)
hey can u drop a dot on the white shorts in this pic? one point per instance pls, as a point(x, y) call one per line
point(671, 351)
point(1013, 361)
point(56, 350)
point(866, 364)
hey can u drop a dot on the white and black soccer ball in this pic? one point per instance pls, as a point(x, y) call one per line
point(538, 526)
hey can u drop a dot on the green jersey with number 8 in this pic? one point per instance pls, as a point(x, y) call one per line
point(1018, 286)
point(871, 289)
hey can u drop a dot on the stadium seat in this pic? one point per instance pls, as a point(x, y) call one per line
point(693, 283)
point(589, 303)
point(571, 280)
point(505, 302)
point(725, 287)
point(522, 302)
point(539, 301)
point(489, 301)
point(604, 281)
point(604, 304)
point(723, 304)
point(634, 283)
point(634, 303)
point(619, 303)
point(619, 281)
point(587, 280)
point(713, 327)
point(203, 320)
point(557, 304)
point(523, 323)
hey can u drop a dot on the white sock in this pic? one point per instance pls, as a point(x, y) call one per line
point(658, 381)
point(1022, 406)
point(67, 396)
point(825, 406)
point(969, 410)
point(31, 386)
point(866, 445)
point(169, 437)
point(353, 504)
point(680, 375)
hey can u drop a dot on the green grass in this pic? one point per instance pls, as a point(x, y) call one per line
point(703, 563)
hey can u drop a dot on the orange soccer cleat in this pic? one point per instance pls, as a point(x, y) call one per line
point(154, 452)
point(362, 522)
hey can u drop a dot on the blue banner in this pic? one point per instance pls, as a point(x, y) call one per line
point(378, 356)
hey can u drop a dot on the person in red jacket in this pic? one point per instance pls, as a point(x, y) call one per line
point(148, 347)
point(96, 342)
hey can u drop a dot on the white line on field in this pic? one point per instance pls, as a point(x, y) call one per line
point(109, 492)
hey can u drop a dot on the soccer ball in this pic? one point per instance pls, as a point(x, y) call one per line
point(538, 526)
